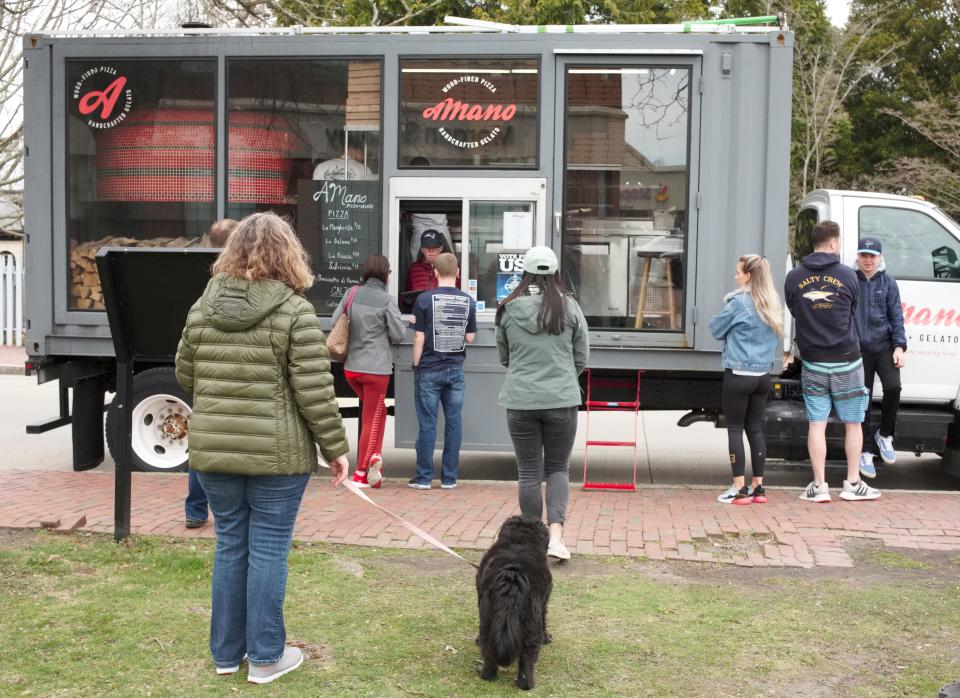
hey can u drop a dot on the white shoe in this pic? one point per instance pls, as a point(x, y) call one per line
point(224, 670)
point(374, 474)
point(819, 494)
point(859, 491)
point(557, 549)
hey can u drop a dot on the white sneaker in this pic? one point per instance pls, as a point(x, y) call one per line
point(557, 549)
point(291, 659)
point(858, 491)
point(374, 476)
point(819, 494)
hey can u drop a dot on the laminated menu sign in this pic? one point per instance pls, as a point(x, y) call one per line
point(339, 225)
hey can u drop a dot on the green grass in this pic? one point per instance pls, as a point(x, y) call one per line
point(891, 560)
point(81, 616)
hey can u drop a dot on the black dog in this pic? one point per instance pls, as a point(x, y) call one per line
point(513, 587)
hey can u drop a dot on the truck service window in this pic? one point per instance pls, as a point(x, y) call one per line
point(140, 160)
point(625, 194)
point(304, 141)
point(468, 113)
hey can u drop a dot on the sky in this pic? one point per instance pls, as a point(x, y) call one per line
point(837, 11)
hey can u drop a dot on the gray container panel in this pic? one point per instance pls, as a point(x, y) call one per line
point(739, 167)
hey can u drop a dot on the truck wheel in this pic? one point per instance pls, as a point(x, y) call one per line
point(160, 412)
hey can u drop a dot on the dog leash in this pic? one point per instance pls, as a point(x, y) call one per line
point(415, 530)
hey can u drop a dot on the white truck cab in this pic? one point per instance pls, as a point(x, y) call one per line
point(921, 250)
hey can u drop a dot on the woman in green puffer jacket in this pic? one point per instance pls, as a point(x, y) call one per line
point(253, 359)
point(542, 340)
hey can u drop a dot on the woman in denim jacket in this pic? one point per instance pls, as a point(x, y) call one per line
point(749, 325)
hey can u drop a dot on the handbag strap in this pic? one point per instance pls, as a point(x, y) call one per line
point(350, 294)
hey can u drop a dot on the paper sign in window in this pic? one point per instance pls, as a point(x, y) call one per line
point(517, 230)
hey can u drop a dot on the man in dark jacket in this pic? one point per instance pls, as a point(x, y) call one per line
point(883, 342)
point(821, 293)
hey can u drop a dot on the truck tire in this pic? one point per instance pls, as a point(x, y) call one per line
point(160, 412)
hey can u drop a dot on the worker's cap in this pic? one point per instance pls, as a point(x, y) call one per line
point(540, 260)
point(431, 238)
point(869, 246)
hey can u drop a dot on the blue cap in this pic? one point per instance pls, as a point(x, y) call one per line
point(869, 246)
point(431, 238)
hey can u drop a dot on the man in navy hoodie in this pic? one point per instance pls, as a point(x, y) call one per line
point(821, 294)
point(882, 344)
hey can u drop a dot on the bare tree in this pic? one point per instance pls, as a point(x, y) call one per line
point(825, 75)
point(20, 17)
point(937, 179)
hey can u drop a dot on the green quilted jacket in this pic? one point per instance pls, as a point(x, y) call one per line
point(252, 357)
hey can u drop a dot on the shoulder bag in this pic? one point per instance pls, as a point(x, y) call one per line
point(338, 341)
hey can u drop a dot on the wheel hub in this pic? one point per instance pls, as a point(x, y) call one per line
point(172, 427)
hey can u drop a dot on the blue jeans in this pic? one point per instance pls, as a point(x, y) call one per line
point(253, 517)
point(432, 389)
point(195, 505)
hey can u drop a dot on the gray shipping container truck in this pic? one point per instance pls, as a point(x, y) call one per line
point(649, 158)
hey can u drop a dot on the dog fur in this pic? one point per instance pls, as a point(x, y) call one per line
point(513, 588)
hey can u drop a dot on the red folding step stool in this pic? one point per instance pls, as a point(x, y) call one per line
point(606, 406)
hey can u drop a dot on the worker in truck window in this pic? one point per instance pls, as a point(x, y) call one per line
point(543, 342)
point(883, 342)
point(821, 294)
point(195, 505)
point(420, 277)
point(749, 325)
point(444, 322)
point(254, 361)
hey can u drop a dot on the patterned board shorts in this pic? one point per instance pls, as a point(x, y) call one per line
point(840, 385)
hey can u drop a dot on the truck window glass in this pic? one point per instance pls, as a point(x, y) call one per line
point(625, 194)
point(471, 113)
point(801, 245)
point(304, 141)
point(915, 246)
point(140, 160)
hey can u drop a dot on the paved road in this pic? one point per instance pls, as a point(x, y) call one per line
point(668, 454)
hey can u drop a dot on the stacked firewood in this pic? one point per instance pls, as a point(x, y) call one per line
point(85, 290)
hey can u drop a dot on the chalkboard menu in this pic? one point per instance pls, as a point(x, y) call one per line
point(339, 224)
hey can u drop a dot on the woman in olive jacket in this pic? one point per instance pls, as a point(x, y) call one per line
point(542, 340)
point(253, 359)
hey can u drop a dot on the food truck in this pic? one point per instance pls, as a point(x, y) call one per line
point(648, 157)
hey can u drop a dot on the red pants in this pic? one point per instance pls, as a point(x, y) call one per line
point(371, 389)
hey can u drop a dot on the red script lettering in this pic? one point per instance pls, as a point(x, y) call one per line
point(106, 98)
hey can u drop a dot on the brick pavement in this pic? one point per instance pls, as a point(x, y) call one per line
point(678, 523)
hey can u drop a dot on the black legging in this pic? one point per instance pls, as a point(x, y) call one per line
point(881, 364)
point(744, 399)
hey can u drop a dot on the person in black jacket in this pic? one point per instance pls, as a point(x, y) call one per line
point(879, 321)
point(821, 293)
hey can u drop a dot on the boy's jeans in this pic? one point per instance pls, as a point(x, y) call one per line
point(432, 389)
point(253, 516)
point(195, 505)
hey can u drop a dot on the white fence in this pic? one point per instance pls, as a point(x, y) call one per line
point(11, 301)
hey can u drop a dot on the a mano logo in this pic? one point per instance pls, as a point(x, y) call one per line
point(105, 100)
point(456, 111)
point(105, 103)
point(938, 317)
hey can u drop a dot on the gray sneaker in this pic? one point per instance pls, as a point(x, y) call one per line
point(819, 494)
point(265, 673)
point(858, 491)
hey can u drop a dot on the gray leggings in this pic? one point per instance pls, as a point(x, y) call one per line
point(542, 442)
